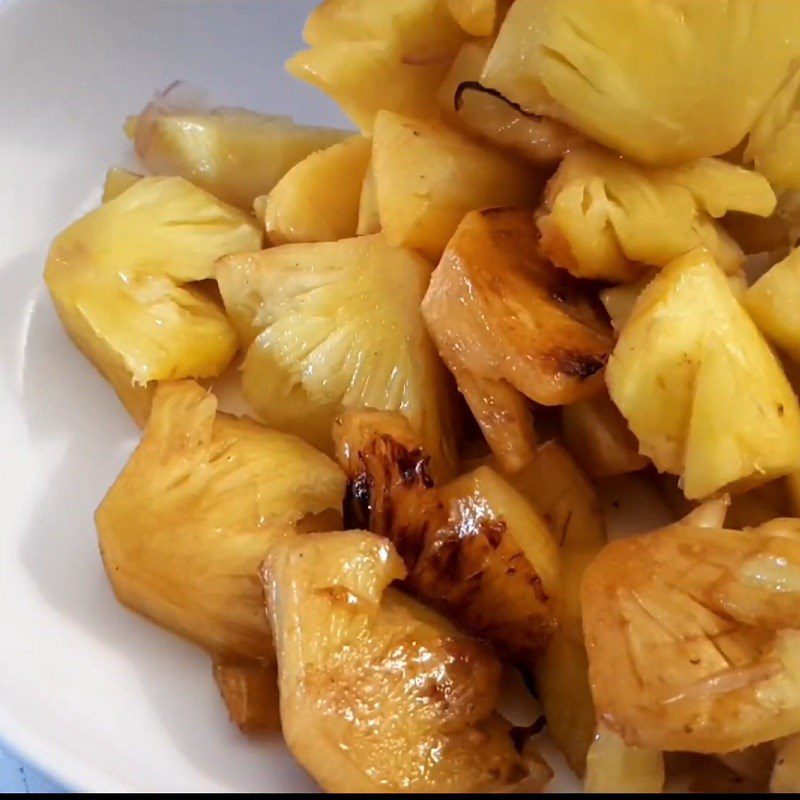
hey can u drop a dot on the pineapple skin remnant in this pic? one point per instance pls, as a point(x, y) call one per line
point(121, 279)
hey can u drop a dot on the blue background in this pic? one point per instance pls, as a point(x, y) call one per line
point(17, 777)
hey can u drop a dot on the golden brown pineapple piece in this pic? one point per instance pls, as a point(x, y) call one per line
point(250, 693)
point(338, 324)
point(369, 56)
point(185, 526)
point(710, 400)
point(235, 154)
point(508, 324)
point(606, 218)
point(427, 177)
point(121, 280)
point(600, 439)
point(318, 199)
point(774, 304)
point(663, 82)
point(118, 180)
point(490, 116)
point(693, 636)
point(473, 548)
point(378, 693)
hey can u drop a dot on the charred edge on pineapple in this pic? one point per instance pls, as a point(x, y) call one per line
point(477, 86)
point(579, 365)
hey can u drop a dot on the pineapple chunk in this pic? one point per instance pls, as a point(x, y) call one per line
point(599, 438)
point(774, 303)
point(487, 114)
point(693, 639)
point(120, 279)
point(605, 218)
point(773, 143)
point(235, 154)
point(508, 323)
point(614, 768)
point(474, 548)
point(118, 180)
point(250, 693)
point(378, 693)
point(338, 324)
point(663, 82)
point(476, 17)
point(364, 77)
point(565, 498)
point(428, 177)
point(709, 401)
point(185, 526)
point(318, 199)
point(369, 220)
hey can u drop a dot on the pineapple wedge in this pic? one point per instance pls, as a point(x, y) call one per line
point(338, 324)
point(121, 280)
point(476, 17)
point(599, 438)
point(507, 324)
point(607, 219)
point(318, 199)
point(774, 303)
point(710, 401)
point(473, 548)
point(486, 114)
point(662, 82)
point(428, 177)
point(250, 693)
point(378, 693)
point(773, 143)
point(235, 154)
point(185, 526)
point(118, 180)
point(693, 639)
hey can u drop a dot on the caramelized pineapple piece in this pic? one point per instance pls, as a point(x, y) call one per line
point(318, 199)
point(427, 177)
point(693, 639)
point(662, 82)
point(474, 548)
point(233, 153)
point(607, 219)
point(774, 304)
point(250, 693)
point(507, 323)
point(773, 143)
point(614, 768)
point(490, 116)
point(599, 438)
point(710, 401)
point(378, 693)
point(185, 526)
point(121, 280)
point(338, 324)
point(118, 180)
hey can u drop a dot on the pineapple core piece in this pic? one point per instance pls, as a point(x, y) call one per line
point(378, 693)
point(510, 326)
point(699, 386)
point(235, 154)
point(692, 635)
point(605, 218)
point(474, 548)
point(187, 523)
point(121, 280)
point(338, 323)
point(662, 82)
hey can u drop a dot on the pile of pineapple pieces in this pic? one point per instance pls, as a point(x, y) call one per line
point(581, 205)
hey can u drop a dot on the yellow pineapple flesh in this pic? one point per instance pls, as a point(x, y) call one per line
point(117, 181)
point(378, 693)
point(709, 400)
point(663, 82)
point(185, 526)
point(338, 324)
point(122, 280)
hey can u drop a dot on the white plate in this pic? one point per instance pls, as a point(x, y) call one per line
point(97, 697)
